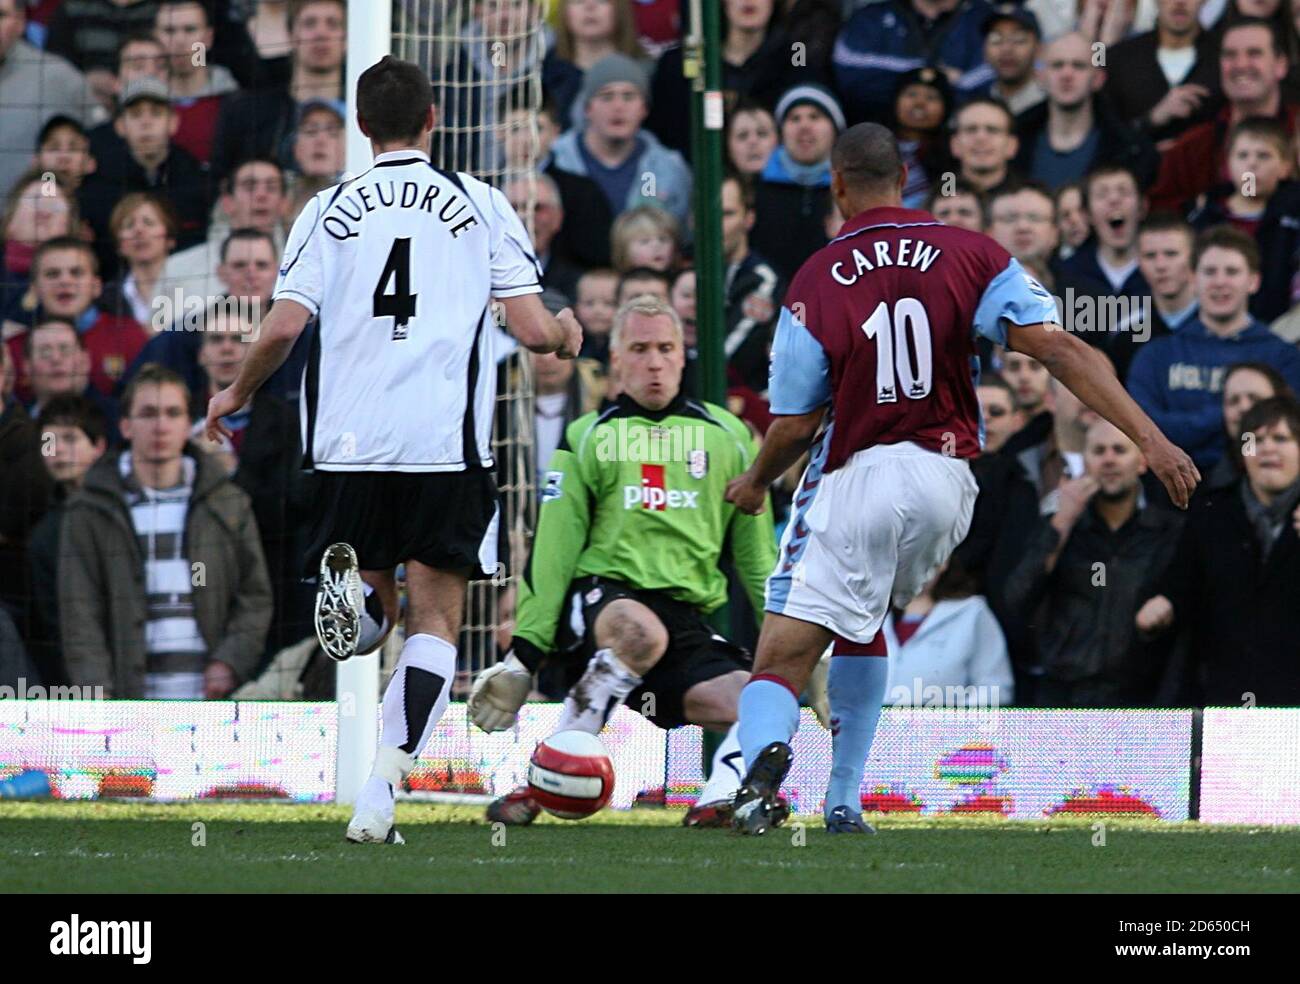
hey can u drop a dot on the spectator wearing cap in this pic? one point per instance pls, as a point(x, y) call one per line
point(318, 156)
point(584, 34)
point(139, 56)
point(883, 40)
point(252, 197)
point(261, 123)
point(1252, 65)
point(627, 161)
point(1166, 79)
point(921, 108)
point(196, 86)
point(1011, 40)
point(147, 160)
point(1063, 138)
point(793, 190)
point(26, 72)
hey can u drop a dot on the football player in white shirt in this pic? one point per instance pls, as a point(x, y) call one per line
point(397, 269)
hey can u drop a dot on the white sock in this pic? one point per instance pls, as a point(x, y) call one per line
point(414, 701)
point(377, 794)
point(728, 770)
point(593, 698)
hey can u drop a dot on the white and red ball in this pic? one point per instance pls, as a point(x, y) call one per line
point(570, 775)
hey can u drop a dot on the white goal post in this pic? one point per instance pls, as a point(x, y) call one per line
point(474, 113)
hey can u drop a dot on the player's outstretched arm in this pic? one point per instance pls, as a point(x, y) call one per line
point(788, 438)
point(276, 336)
point(538, 330)
point(1086, 373)
point(563, 526)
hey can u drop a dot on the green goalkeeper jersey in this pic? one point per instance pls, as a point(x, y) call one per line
point(637, 496)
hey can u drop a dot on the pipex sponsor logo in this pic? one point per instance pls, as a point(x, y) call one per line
point(652, 493)
point(102, 938)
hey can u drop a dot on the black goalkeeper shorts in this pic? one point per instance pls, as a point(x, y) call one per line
point(694, 655)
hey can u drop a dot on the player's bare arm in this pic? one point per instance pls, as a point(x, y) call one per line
point(538, 330)
point(279, 330)
point(1086, 373)
point(786, 441)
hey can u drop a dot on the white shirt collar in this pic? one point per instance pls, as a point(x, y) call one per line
point(397, 155)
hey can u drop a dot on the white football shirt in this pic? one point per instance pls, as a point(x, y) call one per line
point(399, 266)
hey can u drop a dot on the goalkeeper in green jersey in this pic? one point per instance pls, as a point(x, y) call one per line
point(624, 567)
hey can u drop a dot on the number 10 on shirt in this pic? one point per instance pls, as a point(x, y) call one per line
point(891, 349)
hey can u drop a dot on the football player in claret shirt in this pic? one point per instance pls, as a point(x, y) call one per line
point(877, 340)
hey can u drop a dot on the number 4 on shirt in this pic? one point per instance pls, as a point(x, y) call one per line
point(400, 304)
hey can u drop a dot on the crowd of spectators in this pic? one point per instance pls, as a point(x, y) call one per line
point(1140, 157)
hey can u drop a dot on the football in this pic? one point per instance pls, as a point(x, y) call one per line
point(570, 775)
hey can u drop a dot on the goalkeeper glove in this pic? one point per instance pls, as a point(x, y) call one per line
point(498, 693)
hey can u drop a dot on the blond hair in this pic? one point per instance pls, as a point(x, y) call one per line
point(638, 221)
point(648, 306)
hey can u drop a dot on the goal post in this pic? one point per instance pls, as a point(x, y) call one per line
point(488, 89)
point(357, 679)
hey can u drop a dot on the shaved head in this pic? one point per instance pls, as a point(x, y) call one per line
point(867, 156)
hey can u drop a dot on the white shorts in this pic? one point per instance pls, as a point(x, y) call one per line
point(872, 532)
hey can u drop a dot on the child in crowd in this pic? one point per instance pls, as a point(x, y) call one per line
point(1262, 201)
point(645, 236)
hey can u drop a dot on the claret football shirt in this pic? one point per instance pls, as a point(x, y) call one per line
point(881, 323)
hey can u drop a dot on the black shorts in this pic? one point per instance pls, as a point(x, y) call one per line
point(446, 520)
point(695, 652)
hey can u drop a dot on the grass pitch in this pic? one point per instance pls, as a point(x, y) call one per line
point(264, 848)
